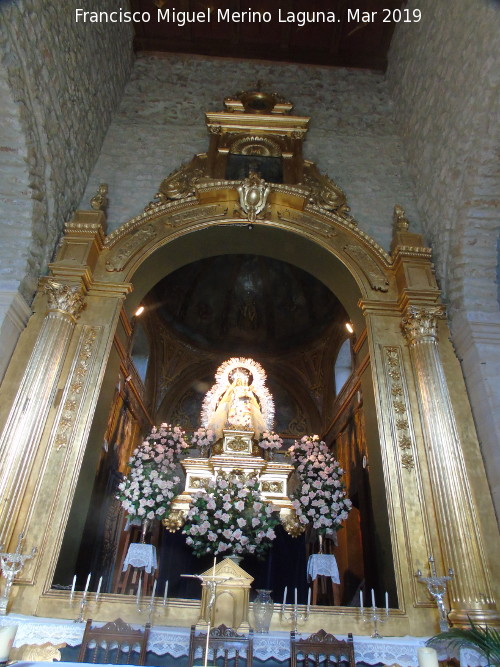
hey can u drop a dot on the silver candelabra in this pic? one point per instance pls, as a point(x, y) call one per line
point(296, 616)
point(85, 598)
point(376, 615)
point(437, 588)
point(12, 564)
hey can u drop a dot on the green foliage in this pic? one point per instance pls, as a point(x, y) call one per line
point(483, 639)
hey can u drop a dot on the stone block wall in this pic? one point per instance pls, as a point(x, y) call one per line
point(444, 75)
point(60, 82)
point(160, 125)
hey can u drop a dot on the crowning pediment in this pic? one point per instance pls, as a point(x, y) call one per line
point(228, 568)
point(254, 135)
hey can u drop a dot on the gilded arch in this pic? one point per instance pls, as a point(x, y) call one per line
point(309, 224)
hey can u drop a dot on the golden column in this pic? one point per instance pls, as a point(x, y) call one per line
point(470, 592)
point(24, 427)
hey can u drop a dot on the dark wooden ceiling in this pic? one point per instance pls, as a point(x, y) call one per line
point(345, 43)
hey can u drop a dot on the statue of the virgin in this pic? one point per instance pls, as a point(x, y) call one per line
point(239, 399)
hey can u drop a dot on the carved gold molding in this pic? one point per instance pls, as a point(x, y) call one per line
point(77, 381)
point(399, 406)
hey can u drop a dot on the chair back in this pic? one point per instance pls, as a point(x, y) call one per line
point(225, 647)
point(322, 649)
point(114, 643)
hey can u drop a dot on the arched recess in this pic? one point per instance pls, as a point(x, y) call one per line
point(373, 287)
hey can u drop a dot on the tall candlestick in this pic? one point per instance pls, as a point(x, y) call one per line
point(87, 584)
point(373, 599)
point(284, 597)
point(165, 593)
point(153, 593)
point(387, 603)
point(139, 585)
point(308, 599)
point(361, 600)
point(72, 594)
point(98, 589)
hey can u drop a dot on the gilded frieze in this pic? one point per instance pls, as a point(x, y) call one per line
point(118, 258)
point(76, 387)
point(399, 408)
point(289, 215)
point(376, 277)
point(200, 213)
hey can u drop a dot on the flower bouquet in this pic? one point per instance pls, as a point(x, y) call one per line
point(230, 516)
point(203, 438)
point(269, 441)
point(320, 498)
point(151, 485)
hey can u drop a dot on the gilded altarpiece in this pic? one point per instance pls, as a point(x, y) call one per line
point(431, 470)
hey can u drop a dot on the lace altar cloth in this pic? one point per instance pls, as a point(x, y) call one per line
point(141, 555)
point(400, 651)
point(325, 565)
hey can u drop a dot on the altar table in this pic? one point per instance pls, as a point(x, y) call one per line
point(274, 646)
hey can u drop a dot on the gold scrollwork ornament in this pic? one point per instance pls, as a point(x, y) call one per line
point(174, 521)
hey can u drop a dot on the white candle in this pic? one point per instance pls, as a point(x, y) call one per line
point(373, 599)
point(153, 593)
point(165, 593)
point(213, 572)
point(284, 597)
point(295, 597)
point(87, 584)
point(98, 589)
point(361, 600)
point(71, 595)
point(427, 657)
point(7, 634)
point(387, 603)
point(139, 585)
point(308, 599)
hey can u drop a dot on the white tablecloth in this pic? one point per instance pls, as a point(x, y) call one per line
point(141, 555)
point(325, 565)
point(175, 641)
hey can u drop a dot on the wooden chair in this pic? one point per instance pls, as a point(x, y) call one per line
point(321, 648)
point(114, 643)
point(224, 645)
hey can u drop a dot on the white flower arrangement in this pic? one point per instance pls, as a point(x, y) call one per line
point(203, 438)
point(270, 440)
point(320, 498)
point(230, 516)
point(151, 485)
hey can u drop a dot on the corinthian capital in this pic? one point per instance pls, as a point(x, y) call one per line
point(419, 324)
point(66, 299)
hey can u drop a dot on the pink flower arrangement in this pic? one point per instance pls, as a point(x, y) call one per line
point(203, 438)
point(320, 498)
point(230, 516)
point(151, 484)
point(270, 440)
